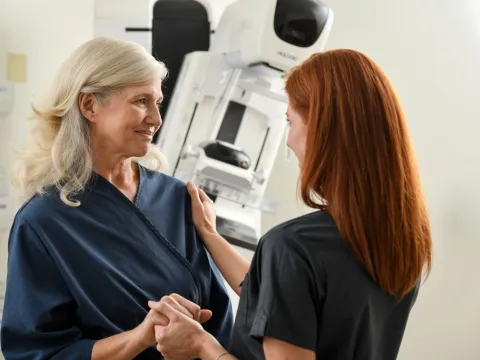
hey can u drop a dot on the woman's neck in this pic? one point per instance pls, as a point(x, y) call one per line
point(123, 173)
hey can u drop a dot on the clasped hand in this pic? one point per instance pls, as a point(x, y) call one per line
point(182, 336)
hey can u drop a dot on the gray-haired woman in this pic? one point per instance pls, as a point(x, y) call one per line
point(99, 234)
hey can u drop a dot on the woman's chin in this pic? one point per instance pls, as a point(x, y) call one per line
point(299, 162)
point(141, 151)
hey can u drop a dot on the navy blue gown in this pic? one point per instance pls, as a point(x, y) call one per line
point(80, 274)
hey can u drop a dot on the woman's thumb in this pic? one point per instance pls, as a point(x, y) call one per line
point(205, 315)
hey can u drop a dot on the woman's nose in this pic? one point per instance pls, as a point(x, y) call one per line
point(155, 118)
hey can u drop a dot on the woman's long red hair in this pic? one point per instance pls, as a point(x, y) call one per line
point(360, 161)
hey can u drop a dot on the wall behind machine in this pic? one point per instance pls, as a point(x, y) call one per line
point(45, 33)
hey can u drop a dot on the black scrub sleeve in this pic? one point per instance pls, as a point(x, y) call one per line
point(289, 294)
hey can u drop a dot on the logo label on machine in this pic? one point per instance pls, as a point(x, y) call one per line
point(287, 55)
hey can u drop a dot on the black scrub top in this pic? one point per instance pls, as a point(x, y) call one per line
point(306, 288)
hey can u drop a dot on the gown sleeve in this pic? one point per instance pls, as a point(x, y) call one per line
point(290, 293)
point(39, 319)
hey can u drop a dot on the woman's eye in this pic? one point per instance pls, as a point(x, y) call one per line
point(140, 101)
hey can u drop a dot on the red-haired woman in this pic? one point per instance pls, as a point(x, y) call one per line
point(338, 283)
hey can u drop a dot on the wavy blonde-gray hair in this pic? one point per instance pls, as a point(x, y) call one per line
point(59, 151)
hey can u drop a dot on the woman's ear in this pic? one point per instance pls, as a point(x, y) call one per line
point(88, 105)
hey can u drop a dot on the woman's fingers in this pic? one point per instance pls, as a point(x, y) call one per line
point(165, 304)
point(204, 197)
point(201, 315)
point(191, 307)
point(192, 190)
point(159, 330)
point(184, 306)
point(197, 194)
point(159, 319)
point(205, 315)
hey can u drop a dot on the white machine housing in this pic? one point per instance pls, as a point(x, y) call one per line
point(230, 95)
point(233, 94)
point(252, 39)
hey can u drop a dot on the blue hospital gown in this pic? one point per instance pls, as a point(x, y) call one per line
point(77, 275)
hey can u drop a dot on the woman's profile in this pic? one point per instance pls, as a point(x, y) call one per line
point(339, 282)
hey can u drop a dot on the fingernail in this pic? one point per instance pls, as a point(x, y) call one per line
point(150, 303)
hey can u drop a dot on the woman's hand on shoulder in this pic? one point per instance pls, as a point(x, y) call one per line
point(203, 211)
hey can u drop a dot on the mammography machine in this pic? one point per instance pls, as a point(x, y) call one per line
point(224, 115)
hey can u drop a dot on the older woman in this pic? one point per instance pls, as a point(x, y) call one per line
point(102, 232)
point(338, 283)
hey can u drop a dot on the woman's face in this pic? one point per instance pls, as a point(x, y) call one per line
point(125, 123)
point(297, 134)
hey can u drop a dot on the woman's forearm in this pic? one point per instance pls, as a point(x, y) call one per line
point(231, 264)
point(212, 350)
point(124, 346)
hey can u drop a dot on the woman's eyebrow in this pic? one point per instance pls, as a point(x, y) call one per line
point(147, 94)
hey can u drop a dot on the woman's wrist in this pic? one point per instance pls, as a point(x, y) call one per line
point(209, 234)
point(209, 348)
point(137, 340)
point(126, 345)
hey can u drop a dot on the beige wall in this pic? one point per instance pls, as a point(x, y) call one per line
point(46, 32)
